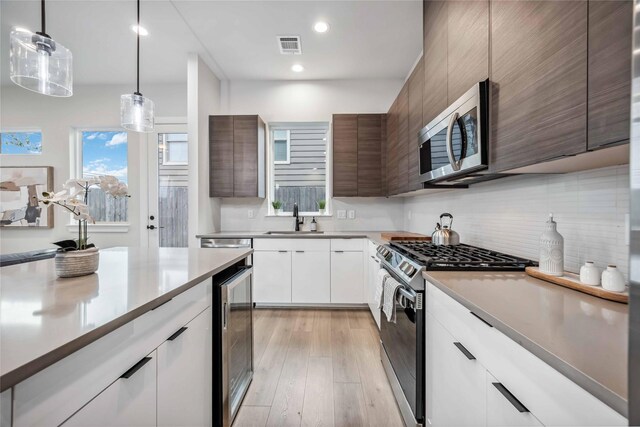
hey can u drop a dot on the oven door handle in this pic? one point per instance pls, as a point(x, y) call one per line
point(407, 295)
point(455, 164)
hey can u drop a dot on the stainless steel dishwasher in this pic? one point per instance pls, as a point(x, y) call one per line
point(227, 243)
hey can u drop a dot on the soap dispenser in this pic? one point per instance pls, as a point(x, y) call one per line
point(314, 224)
point(552, 249)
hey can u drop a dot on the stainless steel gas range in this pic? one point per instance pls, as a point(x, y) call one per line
point(403, 342)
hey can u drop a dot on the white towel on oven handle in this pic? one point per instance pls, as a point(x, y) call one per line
point(383, 275)
point(391, 286)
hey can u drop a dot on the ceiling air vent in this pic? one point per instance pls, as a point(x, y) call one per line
point(290, 45)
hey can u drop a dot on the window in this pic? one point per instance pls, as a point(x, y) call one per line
point(281, 147)
point(299, 166)
point(25, 142)
point(105, 153)
point(175, 149)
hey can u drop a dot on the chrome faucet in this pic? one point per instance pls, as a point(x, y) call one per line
point(299, 221)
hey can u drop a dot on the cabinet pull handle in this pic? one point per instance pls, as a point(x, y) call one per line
point(339, 252)
point(299, 252)
point(135, 368)
point(224, 315)
point(282, 252)
point(481, 319)
point(177, 333)
point(510, 397)
point(464, 351)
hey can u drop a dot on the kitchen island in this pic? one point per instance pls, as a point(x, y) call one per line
point(50, 328)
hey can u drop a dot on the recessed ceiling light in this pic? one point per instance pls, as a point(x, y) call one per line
point(297, 68)
point(321, 27)
point(143, 30)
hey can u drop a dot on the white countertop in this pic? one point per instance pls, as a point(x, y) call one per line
point(372, 235)
point(45, 318)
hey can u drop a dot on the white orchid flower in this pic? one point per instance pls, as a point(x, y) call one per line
point(47, 198)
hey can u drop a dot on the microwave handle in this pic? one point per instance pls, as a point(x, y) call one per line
point(455, 164)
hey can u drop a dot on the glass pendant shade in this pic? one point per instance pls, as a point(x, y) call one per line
point(136, 113)
point(38, 63)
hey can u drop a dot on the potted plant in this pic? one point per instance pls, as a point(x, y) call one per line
point(79, 257)
point(322, 204)
point(277, 205)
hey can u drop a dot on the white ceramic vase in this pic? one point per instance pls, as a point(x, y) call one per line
point(77, 263)
point(552, 250)
point(590, 274)
point(613, 280)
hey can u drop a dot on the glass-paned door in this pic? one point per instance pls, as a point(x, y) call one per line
point(167, 222)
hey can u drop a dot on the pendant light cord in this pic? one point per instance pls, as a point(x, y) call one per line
point(137, 52)
point(42, 16)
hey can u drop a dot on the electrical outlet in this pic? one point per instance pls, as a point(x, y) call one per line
point(342, 214)
point(251, 213)
point(352, 214)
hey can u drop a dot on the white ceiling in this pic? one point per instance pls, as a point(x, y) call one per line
point(367, 39)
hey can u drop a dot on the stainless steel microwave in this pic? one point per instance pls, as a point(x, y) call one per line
point(454, 144)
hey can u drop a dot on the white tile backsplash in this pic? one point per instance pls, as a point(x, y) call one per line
point(508, 215)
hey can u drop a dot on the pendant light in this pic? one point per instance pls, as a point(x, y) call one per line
point(136, 111)
point(38, 63)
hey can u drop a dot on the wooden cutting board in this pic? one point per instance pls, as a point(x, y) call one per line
point(403, 235)
point(572, 281)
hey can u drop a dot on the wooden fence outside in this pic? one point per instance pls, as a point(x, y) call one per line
point(306, 197)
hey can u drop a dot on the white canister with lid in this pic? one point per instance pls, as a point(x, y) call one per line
point(590, 274)
point(551, 249)
point(613, 280)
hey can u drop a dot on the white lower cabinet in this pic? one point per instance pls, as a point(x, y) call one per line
point(184, 375)
point(504, 384)
point(310, 271)
point(311, 278)
point(504, 409)
point(372, 266)
point(456, 381)
point(347, 277)
point(272, 276)
point(129, 401)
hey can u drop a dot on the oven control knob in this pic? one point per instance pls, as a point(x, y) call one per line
point(410, 270)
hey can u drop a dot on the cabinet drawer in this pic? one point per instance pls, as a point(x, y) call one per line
point(129, 401)
point(55, 393)
point(552, 397)
point(352, 245)
point(316, 244)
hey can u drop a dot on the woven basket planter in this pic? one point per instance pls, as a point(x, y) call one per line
point(77, 263)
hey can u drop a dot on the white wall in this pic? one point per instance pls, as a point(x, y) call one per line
point(311, 101)
point(371, 214)
point(90, 106)
point(203, 100)
point(317, 100)
point(508, 215)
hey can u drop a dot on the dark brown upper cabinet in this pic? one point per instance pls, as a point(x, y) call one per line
point(609, 98)
point(392, 149)
point(370, 159)
point(345, 155)
point(358, 159)
point(236, 156)
point(539, 76)
point(403, 140)
point(467, 46)
point(416, 85)
point(434, 99)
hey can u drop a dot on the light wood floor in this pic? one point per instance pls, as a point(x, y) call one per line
point(317, 367)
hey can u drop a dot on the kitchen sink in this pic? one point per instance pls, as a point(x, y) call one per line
point(293, 232)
